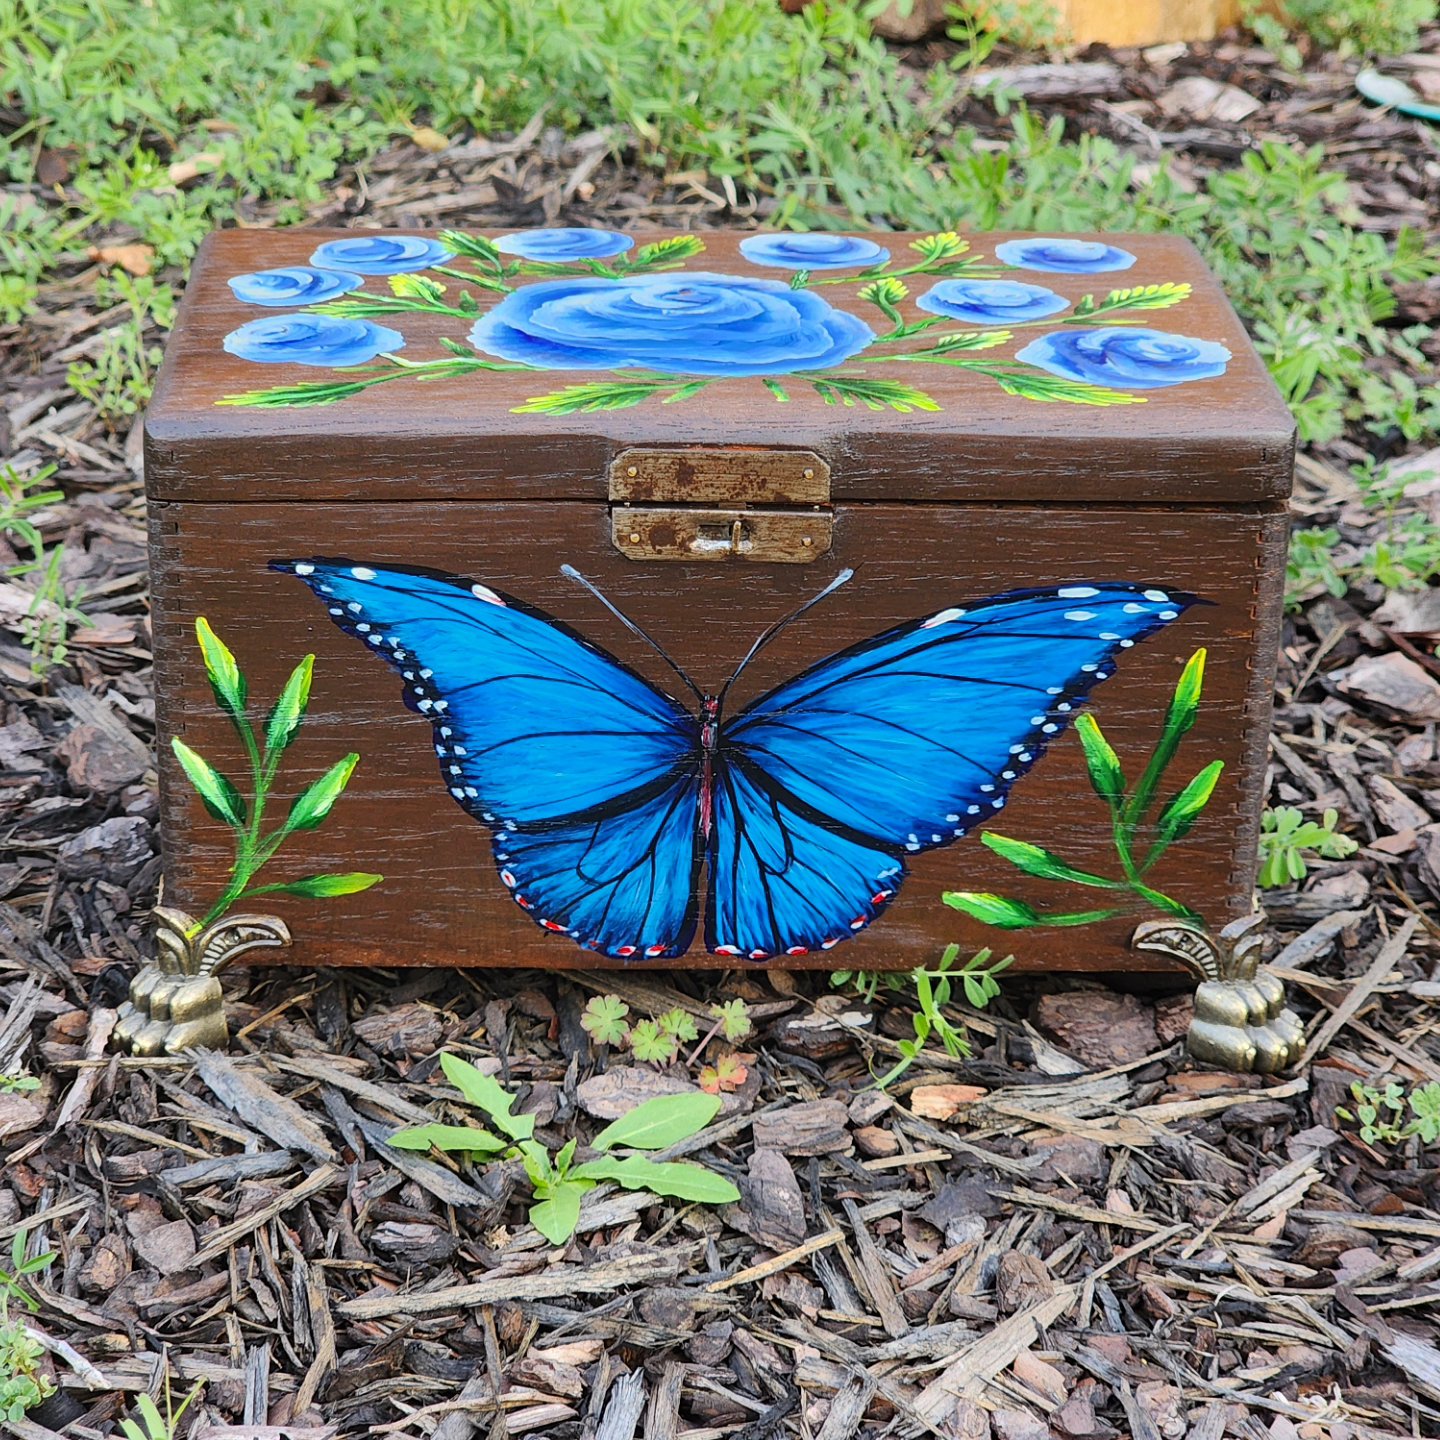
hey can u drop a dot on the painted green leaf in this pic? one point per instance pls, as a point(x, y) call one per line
point(417, 287)
point(1179, 717)
point(961, 340)
point(672, 250)
point(323, 887)
point(1106, 776)
point(1037, 385)
point(557, 1216)
point(453, 1139)
point(776, 389)
point(295, 397)
point(991, 909)
point(666, 1120)
point(684, 1182)
point(886, 294)
point(285, 719)
point(314, 803)
point(1036, 860)
point(474, 247)
point(1184, 809)
point(220, 797)
point(487, 1094)
point(873, 394)
point(1137, 297)
point(596, 395)
point(222, 670)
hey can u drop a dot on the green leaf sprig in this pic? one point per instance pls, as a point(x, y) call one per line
point(557, 1181)
point(1128, 809)
point(253, 846)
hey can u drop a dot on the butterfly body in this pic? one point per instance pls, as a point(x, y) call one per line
point(607, 799)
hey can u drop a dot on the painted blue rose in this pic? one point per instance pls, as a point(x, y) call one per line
point(1064, 256)
point(294, 285)
point(1127, 359)
point(567, 244)
point(813, 251)
point(381, 254)
point(685, 324)
point(991, 302)
point(312, 340)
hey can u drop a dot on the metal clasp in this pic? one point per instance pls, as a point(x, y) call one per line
point(771, 506)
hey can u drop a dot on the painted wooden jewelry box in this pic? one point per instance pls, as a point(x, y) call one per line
point(716, 599)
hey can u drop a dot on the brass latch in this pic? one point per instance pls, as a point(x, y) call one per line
point(721, 504)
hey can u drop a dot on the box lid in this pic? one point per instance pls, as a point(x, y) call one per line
point(994, 367)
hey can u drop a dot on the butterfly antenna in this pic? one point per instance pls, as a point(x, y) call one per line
point(570, 572)
point(789, 619)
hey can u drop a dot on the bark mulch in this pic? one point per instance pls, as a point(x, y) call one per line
point(1072, 1234)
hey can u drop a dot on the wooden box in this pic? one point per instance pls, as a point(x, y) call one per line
point(1055, 466)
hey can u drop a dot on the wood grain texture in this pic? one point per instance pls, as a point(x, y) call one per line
point(442, 903)
point(1227, 439)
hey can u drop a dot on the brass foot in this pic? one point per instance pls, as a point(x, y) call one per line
point(1241, 1020)
point(176, 1002)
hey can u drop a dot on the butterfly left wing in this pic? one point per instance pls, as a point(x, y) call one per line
point(901, 744)
point(586, 775)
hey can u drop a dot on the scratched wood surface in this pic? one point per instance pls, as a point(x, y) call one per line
point(1220, 440)
point(442, 903)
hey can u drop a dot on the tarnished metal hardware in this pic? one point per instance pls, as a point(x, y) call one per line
point(176, 1002)
point(678, 532)
point(696, 503)
point(1241, 1020)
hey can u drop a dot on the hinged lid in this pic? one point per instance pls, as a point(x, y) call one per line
point(1092, 369)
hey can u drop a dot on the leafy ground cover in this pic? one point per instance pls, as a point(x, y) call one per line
point(1065, 1230)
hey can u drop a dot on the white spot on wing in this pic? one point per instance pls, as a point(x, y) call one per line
point(485, 593)
point(304, 567)
point(943, 618)
point(1159, 596)
point(1079, 615)
point(1077, 592)
point(362, 572)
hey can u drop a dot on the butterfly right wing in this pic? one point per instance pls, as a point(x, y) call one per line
point(586, 775)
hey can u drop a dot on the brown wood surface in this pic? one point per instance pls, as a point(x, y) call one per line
point(442, 903)
point(1226, 439)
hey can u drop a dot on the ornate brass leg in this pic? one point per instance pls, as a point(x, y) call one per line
point(1241, 1021)
point(176, 1002)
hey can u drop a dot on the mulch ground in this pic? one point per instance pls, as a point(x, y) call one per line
point(1072, 1234)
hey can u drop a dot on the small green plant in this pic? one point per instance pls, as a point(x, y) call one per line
point(1273, 35)
point(152, 1425)
point(16, 1084)
point(12, 1281)
point(557, 1180)
point(1128, 809)
point(52, 610)
point(23, 1385)
point(1286, 836)
point(660, 1041)
point(1369, 27)
point(1381, 1113)
point(934, 990)
point(253, 847)
point(118, 381)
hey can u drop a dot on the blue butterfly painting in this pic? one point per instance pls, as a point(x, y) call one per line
point(606, 798)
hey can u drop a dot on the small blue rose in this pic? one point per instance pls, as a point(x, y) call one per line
point(1063, 256)
point(294, 285)
point(312, 340)
point(1127, 359)
point(381, 254)
point(559, 246)
point(813, 251)
point(685, 324)
point(991, 302)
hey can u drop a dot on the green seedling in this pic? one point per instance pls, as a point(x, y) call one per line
point(1128, 806)
point(1286, 837)
point(662, 1039)
point(1381, 1113)
point(557, 1180)
point(152, 1425)
point(254, 846)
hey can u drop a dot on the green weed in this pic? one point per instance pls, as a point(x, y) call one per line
point(118, 381)
point(53, 609)
point(557, 1180)
point(1286, 837)
point(1370, 27)
point(1381, 1113)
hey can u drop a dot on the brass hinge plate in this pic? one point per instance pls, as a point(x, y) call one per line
point(681, 532)
point(697, 475)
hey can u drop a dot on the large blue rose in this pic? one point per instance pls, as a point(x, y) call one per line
point(294, 285)
point(312, 340)
point(1127, 359)
point(991, 302)
point(381, 254)
point(686, 324)
point(559, 246)
point(812, 251)
point(1062, 255)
